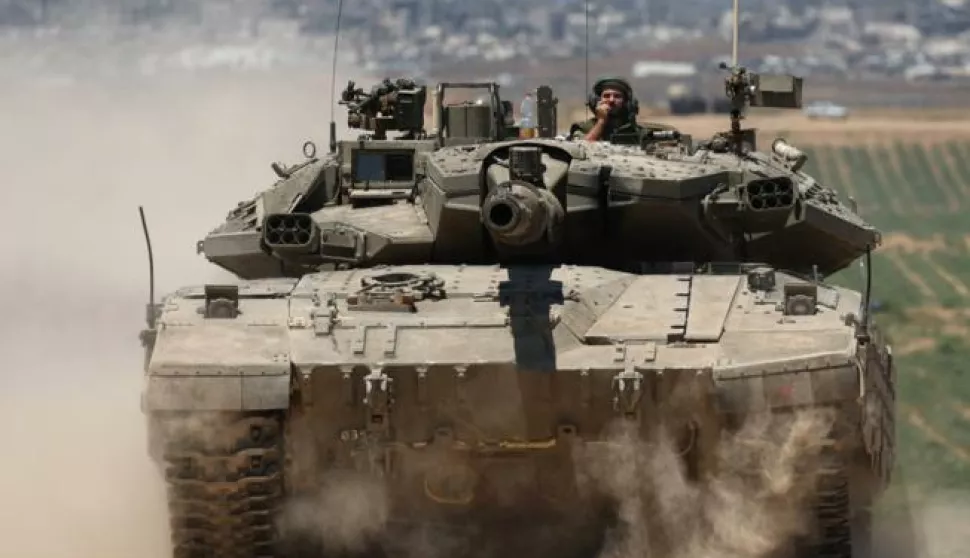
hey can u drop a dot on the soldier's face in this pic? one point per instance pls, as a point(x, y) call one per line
point(612, 97)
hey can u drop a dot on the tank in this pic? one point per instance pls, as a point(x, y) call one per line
point(459, 341)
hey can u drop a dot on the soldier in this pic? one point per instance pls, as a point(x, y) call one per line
point(614, 111)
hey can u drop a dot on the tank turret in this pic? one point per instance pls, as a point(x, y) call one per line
point(463, 193)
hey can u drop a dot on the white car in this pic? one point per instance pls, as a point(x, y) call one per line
point(826, 109)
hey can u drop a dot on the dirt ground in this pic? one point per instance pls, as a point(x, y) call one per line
point(78, 161)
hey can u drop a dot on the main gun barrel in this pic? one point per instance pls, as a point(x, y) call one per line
point(517, 214)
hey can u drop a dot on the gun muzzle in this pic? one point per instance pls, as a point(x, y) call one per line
point(517, 214)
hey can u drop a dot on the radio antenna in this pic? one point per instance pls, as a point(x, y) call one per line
point(865, 268)
point(333, 80)
point(586, 15)
point(864, 312)
point(150, 316)
point(734, 31)
point(738, 84)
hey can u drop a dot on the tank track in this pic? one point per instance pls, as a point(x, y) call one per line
point(832, 509)
point(225, 486)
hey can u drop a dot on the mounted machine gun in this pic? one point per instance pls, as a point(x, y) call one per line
point(390, 105)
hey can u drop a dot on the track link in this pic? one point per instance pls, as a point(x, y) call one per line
point(225, 484)
point(832, 509)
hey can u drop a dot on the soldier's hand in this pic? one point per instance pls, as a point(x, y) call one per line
point(602, 110)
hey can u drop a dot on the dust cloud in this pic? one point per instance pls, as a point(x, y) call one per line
point(347, 513)
point(757, 502)
point(78, 160)
point(750, 509)
point(943, 525)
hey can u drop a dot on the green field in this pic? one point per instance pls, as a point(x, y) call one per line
point(918, 195)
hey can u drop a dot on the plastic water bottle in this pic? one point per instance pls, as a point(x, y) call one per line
point(527, 124)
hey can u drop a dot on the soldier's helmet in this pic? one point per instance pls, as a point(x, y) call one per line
point(631, 106)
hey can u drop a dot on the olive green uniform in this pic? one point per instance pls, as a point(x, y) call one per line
point(579, 129)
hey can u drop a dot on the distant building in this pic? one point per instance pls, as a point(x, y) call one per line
point(649, 68)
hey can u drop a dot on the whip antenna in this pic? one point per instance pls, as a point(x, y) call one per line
point(734, 38)
point(333, 80)
point(151, 269)
point(586, 10)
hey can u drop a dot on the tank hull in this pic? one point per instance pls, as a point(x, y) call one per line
point(482, 411)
